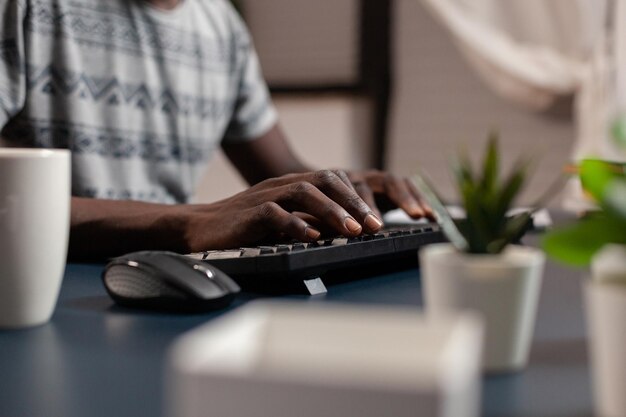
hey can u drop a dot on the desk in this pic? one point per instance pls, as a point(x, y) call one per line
point(94, 359)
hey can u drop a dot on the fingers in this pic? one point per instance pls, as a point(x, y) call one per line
point(399, 191)
point(270, 217)
point(347, 197)
point(366, 193)
point(300, 205)
point(327, 195)
point(306, 197)
point(343, 176)
point(428, 211)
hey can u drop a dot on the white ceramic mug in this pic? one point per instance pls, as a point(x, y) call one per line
point(35, 192)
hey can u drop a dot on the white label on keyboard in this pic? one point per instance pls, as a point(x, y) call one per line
point(315, 286)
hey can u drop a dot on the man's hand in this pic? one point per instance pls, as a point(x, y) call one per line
point(294, 205)
point(271, 156)
point(383, 191)
point(283, 206)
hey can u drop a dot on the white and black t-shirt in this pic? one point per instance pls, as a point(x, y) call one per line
point(141, 96)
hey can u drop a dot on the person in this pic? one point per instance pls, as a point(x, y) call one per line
point(142, 92)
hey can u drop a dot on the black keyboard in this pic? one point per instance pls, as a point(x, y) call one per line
point(300, 267)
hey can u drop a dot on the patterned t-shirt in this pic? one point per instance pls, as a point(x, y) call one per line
point(141, 96)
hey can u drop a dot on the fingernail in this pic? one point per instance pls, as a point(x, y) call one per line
point(312, 233)
point(415, 210)
point(373, 222)
point(352, 225)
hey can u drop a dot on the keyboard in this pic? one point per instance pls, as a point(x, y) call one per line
point(304, 267)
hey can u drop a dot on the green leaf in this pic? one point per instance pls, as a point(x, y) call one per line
point(595, 176)
point(515, 228)
point(490, 166)
point(512, 187)
point(575, 245)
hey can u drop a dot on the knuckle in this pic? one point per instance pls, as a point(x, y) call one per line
point(300, 188)
point(325, 176)
point(268, 210)
point(355, 200)
point(340, 173)
point(330, 210)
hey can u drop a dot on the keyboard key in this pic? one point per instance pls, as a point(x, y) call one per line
point(283, 248)
point(223, 254)
point(298, 246)
point(266, 250)
point(198, 255)
point(247, 252)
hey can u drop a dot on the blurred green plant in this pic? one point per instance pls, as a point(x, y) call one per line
point(575, 244)
point(487, 200)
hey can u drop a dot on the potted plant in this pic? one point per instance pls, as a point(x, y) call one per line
point(482, 269)
point(599, 240)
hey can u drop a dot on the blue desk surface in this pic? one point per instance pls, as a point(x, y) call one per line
point(95, 359)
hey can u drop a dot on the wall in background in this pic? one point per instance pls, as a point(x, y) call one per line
point(440, 106)
point(304, 42)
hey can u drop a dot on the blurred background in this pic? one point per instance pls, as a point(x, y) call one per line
point(399, 85)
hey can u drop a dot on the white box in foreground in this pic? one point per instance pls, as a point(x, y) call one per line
point(308, 360)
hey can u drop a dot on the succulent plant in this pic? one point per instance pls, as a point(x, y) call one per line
point(487, 199)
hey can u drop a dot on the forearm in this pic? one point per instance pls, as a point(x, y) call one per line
point(104, 228)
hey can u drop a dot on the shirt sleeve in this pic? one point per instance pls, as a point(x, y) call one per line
point(12, 61)
point(254, 113)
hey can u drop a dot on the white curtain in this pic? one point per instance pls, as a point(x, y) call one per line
point(534, 51)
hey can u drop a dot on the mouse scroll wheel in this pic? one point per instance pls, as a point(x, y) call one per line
point(205, 271)
point(135, 283)
point(210, 275)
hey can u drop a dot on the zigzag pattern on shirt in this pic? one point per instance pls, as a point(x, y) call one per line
point(106, 142)
point(111, 91)
point(108, 28)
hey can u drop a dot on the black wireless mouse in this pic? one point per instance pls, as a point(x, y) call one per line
point(167, 281)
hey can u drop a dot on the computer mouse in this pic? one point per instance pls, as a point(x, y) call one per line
point(167, 281)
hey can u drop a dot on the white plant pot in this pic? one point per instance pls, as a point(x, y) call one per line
point(503, 288)
point(606, 318)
